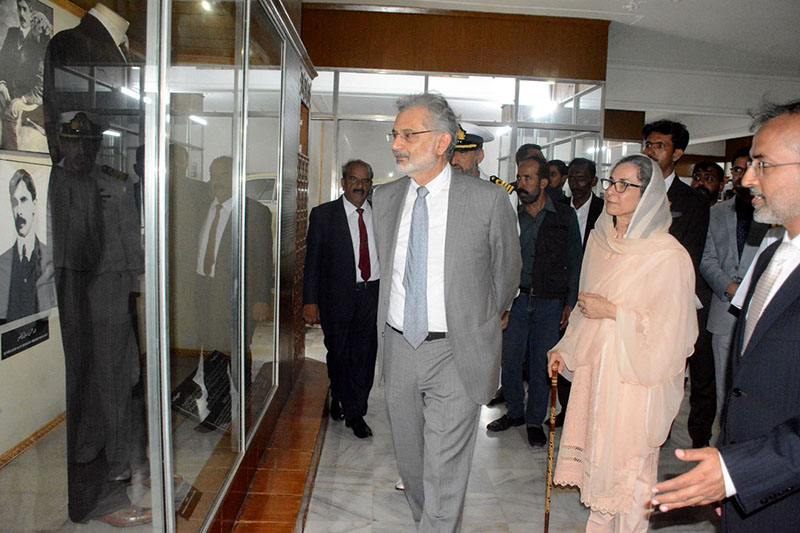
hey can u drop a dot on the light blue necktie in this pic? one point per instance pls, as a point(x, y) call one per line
point(415, 314)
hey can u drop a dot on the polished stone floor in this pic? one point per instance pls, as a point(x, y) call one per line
point(354, 488)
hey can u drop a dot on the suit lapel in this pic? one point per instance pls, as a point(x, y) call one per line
point(342, 228)
point(730, 230)
point(456, 206)
point(395, 201)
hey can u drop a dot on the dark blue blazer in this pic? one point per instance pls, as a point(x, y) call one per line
point(760, 438)
point(329, 277)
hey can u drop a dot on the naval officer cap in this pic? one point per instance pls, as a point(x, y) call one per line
point(471, 137)
point(81, 125)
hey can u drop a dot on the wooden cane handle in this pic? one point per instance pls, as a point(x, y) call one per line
point(554, 372)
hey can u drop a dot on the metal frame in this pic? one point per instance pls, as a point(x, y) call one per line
point(579, 130)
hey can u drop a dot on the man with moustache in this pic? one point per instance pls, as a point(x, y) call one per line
point(731, 246)
point(753, 470)
point(708, 178)
point(551, 250)
point(450, 264)
point(27, 285)
point(468, 155)
point(340, 292)
point(664, 142)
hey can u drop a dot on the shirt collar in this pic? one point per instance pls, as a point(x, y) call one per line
point(669, 179)
point(582, 208)
point(29, 242)
point(349, 208)
point(437, 184)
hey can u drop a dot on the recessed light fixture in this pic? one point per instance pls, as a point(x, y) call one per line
point(206, 5)
point(112, 133)
point(201, 121)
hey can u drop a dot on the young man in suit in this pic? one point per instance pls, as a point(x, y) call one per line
point(340, 292)
point(664, 143)
point(732, 242)
point(754, 467)
point(450, 263)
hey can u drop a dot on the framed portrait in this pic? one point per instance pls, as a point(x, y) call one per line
point(26, 27)
point(27, 276)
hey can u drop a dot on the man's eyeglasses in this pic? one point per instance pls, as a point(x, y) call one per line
point(759, 166)
point(619, 186)
point(658, 145)
point(407, 136)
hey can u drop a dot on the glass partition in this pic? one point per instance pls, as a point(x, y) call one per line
point(261, 164)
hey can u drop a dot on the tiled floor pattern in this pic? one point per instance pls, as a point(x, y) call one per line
point(354, 488)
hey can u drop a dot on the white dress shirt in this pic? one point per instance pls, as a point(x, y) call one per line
point(789, 265)
point(28, 242)
point(437, 201)
point(583, 215)
point(669, 179)
point(355, 236)
point(224, 216)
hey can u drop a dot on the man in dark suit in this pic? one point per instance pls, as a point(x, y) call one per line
point(27, 284)
point(581, 178)
point(340, 291)
point(754, 467)
point(21, 70)
point(664, 143)
point(214, 265)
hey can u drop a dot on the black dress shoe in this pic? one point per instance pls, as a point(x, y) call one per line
point(359, 427)
point(536, 436)
point(499, 398)
point(505, 422)
point(559, 419)
point(336, 410)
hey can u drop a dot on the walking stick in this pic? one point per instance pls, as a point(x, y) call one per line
point(553, 391)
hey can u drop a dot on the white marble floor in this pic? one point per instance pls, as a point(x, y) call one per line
point(354, 488)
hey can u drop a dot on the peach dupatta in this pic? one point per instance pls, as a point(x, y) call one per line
point(628, 373)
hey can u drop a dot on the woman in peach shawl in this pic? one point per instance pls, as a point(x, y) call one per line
point(627, 343)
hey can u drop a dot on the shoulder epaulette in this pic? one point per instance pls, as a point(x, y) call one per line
point(507, 186)
point(114, 173)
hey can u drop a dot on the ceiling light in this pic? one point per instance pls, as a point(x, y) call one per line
point(206, 5)
point(201, 121)
point(112, 133)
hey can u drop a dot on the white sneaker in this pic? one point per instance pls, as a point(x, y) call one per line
point(399, 485)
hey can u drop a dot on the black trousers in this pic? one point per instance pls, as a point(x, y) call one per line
point(352, 348)
point(703, 394)
point(102, 367)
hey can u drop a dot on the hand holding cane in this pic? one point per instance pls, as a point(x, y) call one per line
point(553, 392)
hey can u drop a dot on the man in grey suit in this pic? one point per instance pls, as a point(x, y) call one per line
point(731, 244)
point(450, 258)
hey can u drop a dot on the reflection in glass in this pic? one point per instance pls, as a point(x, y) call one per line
point(260, 222)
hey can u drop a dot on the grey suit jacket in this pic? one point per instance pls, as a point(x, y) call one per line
point(721, 264)
point(482, 266)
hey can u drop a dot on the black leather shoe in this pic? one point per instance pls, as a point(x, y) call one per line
point(499, 398)
point(359, 427)
point(536, 436)
point(559, 419)
point(336, 410)
point(505, 422)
